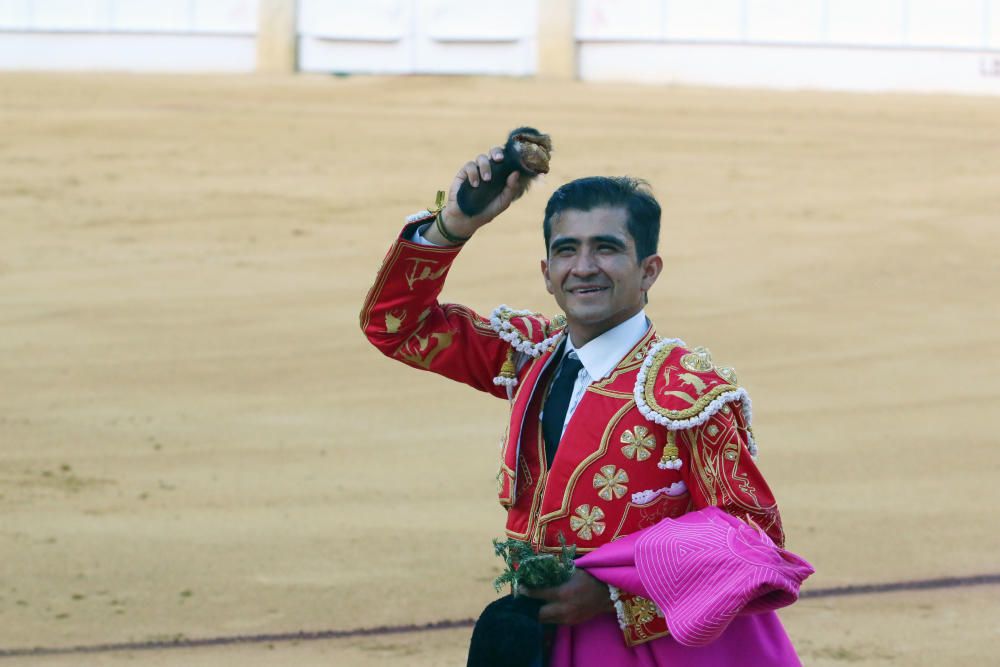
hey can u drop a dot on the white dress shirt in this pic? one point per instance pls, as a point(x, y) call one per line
point(601, 355)
point(418, 235)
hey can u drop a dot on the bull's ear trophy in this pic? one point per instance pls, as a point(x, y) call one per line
point(527, 151)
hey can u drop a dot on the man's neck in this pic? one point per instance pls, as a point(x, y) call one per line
point(581, 335)
point(600, 355)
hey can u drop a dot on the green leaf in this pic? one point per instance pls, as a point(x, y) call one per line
point(527, 568)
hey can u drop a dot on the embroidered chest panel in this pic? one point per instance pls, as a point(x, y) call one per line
point(614, 486)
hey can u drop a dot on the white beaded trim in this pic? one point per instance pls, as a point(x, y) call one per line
point(500, 322)
point(645, 497)
point(619, 607)
point(505, 382)
point(419, 215)
point(699, 419)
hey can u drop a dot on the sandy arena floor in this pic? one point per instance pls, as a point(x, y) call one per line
point(196, 441)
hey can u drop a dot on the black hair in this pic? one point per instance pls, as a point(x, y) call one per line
point(631, 194)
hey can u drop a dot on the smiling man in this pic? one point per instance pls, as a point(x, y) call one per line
point(613, 428)
point(600, 238)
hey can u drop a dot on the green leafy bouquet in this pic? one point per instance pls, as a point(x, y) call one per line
point(526, 567)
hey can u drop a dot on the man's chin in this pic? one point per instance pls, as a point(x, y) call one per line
point(584, 317)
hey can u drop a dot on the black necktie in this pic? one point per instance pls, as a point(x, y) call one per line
point(554, 412)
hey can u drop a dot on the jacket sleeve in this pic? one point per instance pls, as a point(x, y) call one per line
point(721, 472)
point(402, 317)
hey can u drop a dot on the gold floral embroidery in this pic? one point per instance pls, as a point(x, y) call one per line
point(713, 430)
point(587, 522)
point(638, 443)
point(611, 482)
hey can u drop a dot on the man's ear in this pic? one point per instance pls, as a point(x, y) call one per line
point(545, 276)
point(652, 266)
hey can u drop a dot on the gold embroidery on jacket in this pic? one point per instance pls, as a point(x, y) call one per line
point(712, 451)
point(639, 442)
point(639, 611)
point(629, 363)
point(683, 395)
point(569, 489)
point(535, 526)
point(611, 482)
point(421, 270)
point(728, 374)
point(731, 452)
point(481, 325)
point(698, 360)
point(526, 478)
point(587, 522)
point(658, 383)
point(704, 464)
point(393, 319)
point(695, 381)
point(421, 350)
point(643, 619)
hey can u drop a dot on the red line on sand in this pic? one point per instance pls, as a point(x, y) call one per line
point(839, 591)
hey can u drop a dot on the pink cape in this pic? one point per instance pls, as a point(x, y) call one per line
point(717, 581)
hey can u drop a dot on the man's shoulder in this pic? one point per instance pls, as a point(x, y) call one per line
point(680, 387)
point(527, 332)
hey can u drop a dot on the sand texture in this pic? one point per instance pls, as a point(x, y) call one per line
point(196, 441)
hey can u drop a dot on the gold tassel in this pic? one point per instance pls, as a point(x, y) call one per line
point(508, 371)
point(670, 451)
point(439, 201)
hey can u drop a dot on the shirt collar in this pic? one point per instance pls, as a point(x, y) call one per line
point(601, 355)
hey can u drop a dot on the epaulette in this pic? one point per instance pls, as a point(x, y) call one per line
point(529, 333)
point(681, 388)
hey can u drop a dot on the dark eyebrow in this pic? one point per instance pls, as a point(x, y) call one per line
point(570, 241)
point(610, 240)
point(560, 241)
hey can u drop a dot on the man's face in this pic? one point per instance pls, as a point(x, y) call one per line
point(593, 272)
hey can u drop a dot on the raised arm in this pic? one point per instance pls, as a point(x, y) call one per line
point(402, 316)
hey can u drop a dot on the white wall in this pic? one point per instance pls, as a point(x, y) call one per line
point(891, 45)
point(418, 36)
point(140, 35)
point(877, 45)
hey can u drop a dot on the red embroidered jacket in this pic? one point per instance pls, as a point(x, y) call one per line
point(666, 432)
